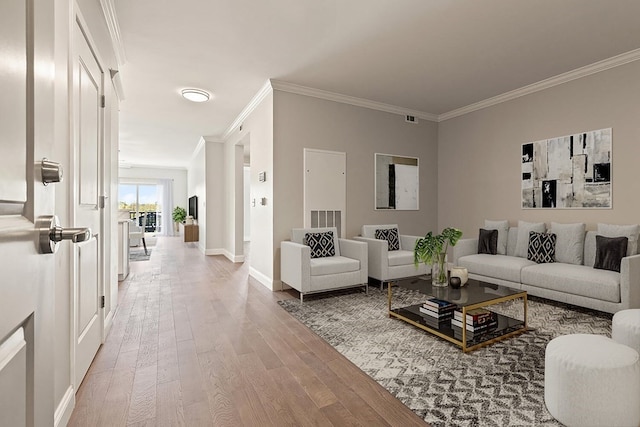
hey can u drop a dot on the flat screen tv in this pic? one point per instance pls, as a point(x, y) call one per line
point(193, 206)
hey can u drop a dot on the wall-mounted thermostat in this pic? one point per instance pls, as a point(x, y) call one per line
point(262, 176)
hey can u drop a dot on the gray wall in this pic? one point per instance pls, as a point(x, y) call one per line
point(479, 153)
point(305, 122)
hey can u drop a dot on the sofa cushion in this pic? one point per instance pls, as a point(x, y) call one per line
point(333, 265)
point(400, 258)
point(488, 242)
point(629, 231)
point(391, 236)
point(524, 228)
point(498, 266)
point(609, 252)
point(574, 279)
point(503, 231)
point(542, 247)
point(569, 242)
point(321, 244)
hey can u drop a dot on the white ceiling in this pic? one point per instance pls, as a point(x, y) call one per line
point(433, 56)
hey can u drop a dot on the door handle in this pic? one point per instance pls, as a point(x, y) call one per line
point(50, 233)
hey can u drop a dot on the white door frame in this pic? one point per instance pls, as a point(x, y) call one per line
point(81, 22)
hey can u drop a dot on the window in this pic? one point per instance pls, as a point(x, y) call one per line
point(140, 202)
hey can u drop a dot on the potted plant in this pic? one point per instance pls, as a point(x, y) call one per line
point(179, 214)
point(432, 249)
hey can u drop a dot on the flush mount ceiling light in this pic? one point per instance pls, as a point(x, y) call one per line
point(195, 95)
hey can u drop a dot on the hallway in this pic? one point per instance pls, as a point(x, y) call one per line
point(196, 342)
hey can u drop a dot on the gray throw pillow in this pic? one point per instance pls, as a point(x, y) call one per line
point(609, 252)
point(629, 231)
point(569, 242)
point(488, 242)
point(503, 233)
point(524, 228)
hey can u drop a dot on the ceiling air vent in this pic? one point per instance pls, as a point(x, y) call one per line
point(411, 119)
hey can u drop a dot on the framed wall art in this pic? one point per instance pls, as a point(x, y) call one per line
point(568, 172)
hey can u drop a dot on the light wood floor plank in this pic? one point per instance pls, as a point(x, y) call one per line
point(197, 342)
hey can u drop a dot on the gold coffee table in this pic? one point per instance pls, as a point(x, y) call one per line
point(476, 294)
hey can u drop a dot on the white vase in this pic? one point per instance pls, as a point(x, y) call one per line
point(460, 272)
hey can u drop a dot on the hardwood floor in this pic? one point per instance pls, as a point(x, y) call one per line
point(196, 342)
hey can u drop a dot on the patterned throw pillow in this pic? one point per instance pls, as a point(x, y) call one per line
point(321, 244)
point(542, 247)
point(391, 236)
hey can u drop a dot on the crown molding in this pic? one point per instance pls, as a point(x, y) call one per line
point(265, 90)
point(196, 150)
point(597, 67)
point(111, 19)
point(351, 100)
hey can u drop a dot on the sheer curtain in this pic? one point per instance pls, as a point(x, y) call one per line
point(166, 201)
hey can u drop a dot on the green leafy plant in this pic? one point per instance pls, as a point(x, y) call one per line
point(179, 214)
point(429, 248)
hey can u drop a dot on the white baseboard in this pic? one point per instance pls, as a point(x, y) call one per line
point(263, 279)
point(108, 322)
point(214, 251)
point(231, 257)
point(63, 412)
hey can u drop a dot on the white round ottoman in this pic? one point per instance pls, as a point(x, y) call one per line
point(591, 380)
point(625, 328)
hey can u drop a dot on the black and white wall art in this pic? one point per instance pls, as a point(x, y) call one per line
point(568, 172)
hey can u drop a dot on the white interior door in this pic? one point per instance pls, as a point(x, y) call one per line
point(88, 123)
point(325, 189)
point(27, 283)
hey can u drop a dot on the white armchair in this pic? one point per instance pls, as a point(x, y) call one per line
point(136, 233)
point(347, 268)
point(386, 265)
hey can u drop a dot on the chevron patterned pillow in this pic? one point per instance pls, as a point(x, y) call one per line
point(321, 244)
point(542, 247)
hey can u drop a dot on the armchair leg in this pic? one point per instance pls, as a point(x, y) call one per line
point(144, 243)
point(301, 297)
point(366, 289)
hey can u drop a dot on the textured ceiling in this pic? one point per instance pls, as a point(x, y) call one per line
point(433, 56)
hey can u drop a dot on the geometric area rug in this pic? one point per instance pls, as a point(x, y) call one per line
point(498, 385)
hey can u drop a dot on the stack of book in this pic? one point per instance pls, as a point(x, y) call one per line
point(479, 321)
point(437, 311)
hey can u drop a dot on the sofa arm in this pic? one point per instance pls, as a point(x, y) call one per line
point(630, 281)
point(408, 243)
point(464, 247)
point(378, 257)
point(295, 265)
point(356, 250)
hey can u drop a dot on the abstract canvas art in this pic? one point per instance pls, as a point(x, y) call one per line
point(568, 172)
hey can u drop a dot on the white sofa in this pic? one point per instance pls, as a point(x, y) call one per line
point(581, 285)
point(348, 268)
point(386, 265)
